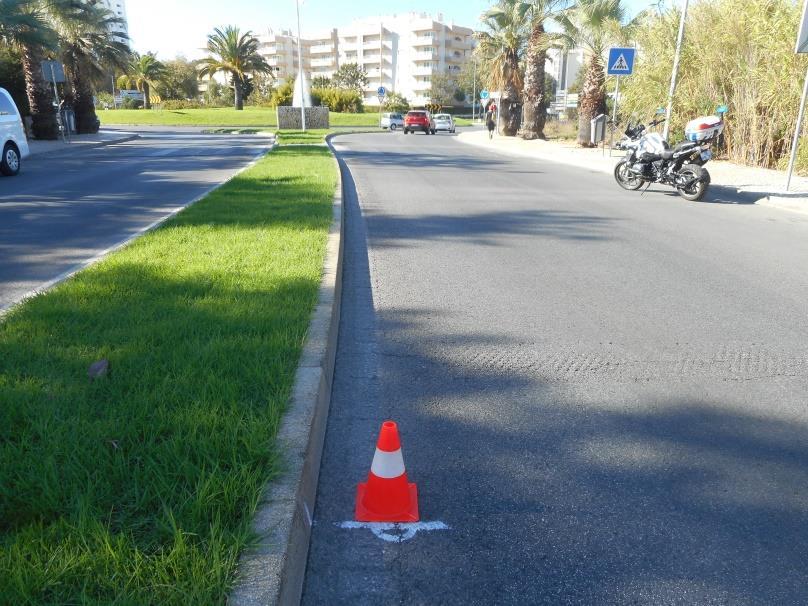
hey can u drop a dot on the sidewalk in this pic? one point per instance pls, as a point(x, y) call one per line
point(751, 185)
point(77, 142)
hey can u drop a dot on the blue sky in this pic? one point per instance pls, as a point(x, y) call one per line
point(171, 27)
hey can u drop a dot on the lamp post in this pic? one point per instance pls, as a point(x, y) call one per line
point(300, 72)
point(666, 130)
point(474, 89)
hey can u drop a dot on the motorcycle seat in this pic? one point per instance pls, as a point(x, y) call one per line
point(667, 154)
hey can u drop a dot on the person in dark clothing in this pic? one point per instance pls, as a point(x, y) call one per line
point(490, 121)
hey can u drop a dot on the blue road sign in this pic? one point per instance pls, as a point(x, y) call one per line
point(483, 94)
point(621, 61)
point(381, 91)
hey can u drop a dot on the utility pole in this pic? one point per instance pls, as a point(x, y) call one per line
point(678, 55)
point(474, 88)
point(300, 71)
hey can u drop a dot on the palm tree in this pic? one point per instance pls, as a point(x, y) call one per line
point(90, 45)
point(143, 72)
point(593, 25)
point(534, 109)
point(501, 48)
point(235, 54)
point(24, 25)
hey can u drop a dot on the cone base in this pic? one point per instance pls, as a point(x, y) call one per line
point(363, 514)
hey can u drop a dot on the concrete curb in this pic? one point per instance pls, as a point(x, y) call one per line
point(98, 257)
point(68, 150)
point(272, 572)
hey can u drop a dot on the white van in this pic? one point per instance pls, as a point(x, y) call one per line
point(12, 136)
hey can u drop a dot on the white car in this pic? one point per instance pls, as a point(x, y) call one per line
point(392, 121)
point(444, 122)
point(12, 136)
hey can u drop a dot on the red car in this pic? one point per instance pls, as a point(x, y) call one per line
point(419, 119)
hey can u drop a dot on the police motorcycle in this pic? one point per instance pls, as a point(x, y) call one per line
point(650, 159)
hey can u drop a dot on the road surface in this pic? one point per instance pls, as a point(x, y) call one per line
point(64, 208)
point(602, 395)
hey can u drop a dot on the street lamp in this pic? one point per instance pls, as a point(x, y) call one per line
point(666, 130)
point(300, 72)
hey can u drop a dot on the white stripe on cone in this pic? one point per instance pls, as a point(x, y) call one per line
point(387, 464)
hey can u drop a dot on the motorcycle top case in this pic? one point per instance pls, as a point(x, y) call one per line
point(703, 128)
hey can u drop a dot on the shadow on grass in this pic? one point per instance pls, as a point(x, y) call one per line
point(141, 485)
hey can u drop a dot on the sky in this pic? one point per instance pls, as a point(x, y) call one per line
point(180, 27)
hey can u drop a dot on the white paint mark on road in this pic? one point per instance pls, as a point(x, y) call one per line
point(395, 532)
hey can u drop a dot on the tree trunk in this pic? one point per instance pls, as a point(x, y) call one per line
point(509, 110)
point(86, 120)
point(592, 100)
point(534, 110)
point(237, 96)
point(146, 96)
point(40, 97)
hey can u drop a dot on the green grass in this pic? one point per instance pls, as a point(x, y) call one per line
point(139, 488)
point(218, 116)
point(249, 117)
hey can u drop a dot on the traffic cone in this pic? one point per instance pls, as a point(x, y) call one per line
point(387, 496)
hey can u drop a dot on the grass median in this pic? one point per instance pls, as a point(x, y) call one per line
point(259, 117)
point(139, 487)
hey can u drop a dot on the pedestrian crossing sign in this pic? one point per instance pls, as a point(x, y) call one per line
point(621, 61)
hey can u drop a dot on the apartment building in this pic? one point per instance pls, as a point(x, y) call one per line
point(118, 9)
point(280, 50)
point(400, 52)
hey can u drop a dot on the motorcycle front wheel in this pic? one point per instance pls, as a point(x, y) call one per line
point(696, 190)
point(625, 178)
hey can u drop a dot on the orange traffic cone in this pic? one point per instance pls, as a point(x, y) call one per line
point(387, 496)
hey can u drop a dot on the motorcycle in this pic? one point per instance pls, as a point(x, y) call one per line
point(650, 159)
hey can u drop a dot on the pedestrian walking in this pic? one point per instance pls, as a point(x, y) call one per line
point(490, 122)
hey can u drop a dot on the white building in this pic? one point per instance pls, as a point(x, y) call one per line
point(564, 66)
point(118, 8)
point(400, 52)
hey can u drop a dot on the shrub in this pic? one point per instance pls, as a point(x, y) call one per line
point(130, 103)
point(339, 100)
point(396, 102)
point(181, 104)
point(104, 100)
point(746, 62)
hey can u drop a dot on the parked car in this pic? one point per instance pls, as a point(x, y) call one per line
point(444, 122)
point(419, 119)
point(392, 121)
point(12, 136)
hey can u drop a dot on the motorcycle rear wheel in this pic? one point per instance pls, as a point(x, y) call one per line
point(625, 178)
point(698, 188)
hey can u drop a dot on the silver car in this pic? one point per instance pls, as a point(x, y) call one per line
point(392, 121)
point(444, 122)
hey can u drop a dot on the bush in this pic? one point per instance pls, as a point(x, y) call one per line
point(396, 102)
point(104, 100)
point(283, 94)
point(341, 100)
point(746, 62)
point(180, 104)
point(130, 103)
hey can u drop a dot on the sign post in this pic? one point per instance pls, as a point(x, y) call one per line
point(54, 71)
point(801, 47)
point(484, 94)
point(381, 92)
point(620, 63)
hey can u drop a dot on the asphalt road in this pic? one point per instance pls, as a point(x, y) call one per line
point(64, 208)
point(602, 395)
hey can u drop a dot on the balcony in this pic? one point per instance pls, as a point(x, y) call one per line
point(323, 62)
point(425, 41)
point(322, 49)
point(425, 56)
point(423, 71)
